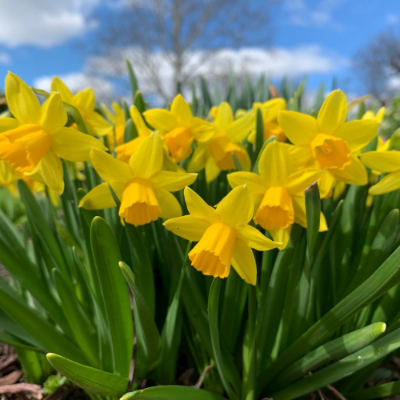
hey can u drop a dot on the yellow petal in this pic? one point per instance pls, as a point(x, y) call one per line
point(21, 100)
point(7, 124)
point(85, 100)
point(187, 227)
point(240, 129)
point(198, 160)
point(236, 208)
point(301, 180)
point(212, 169)
point(382, 161)
point(253, 181)
point(148, 157)
point(332, 113)
point(181, 111)
point(52, 172)
point(224, 117)
point(100, 197)
point(172, 181)
point(201, 130)
point(380, 114)
point(53, 116)
point(354, 173)
point(244, 262)
point(274, 166)
point(97, 125)
point(325, 184)
point(170, 207)
point(198, 208)
point(161, 120)
point(139, 122)
point(388, 184)
point(358, 134)
point(299, 128)
point(73, 145)
point(57, 85)
point(301, 156)
point(110, 169)
point(281, 236)
point(273, 107)
point(255, 239)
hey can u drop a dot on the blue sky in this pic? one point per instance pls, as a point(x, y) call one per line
point(314, 37)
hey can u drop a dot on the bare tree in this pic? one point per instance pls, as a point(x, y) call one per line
point(172, 40)
point(378, 65)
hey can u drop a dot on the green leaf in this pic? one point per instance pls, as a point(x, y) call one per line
point(259, 132)
point(16, 342)
point(88, 378)
point(231, 386)
point(172, 393)
point(132, 79)
point(340, 369)
point(115, 294)
point(384, 391)
point(139, 102)
point(146, 329)
point(130, 131)
point(313, 212)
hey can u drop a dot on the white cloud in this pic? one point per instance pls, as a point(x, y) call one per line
point(279, 62)
point(43, 23)
point(316, 16)
point(4, 58)
point(103, 89)
point(393, 19)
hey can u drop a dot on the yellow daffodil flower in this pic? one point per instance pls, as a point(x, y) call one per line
point(142, 187)
point(125, 151)
point(378, 117)
point(216, 155)
point(37, 138)
point(179, 127)
point(85, 102)
point(269, 111)
point(278, 191)
point(118, 119)
point(223, 236)
point(8, 177)
point(383, 162)
point(328, 142)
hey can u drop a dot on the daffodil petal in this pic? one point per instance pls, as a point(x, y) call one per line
point(148, 157)
point(273, 165)
point(354, 173)
point(382, 161)
point(97, 124)
point(224, 117)
point(201, 130)
point(253, 181)
point(85, 99)
point(187, 227)
point(237, 207)
point(212, 170)
point(282, 236)
point(21, 100)
point(53, 116)
point(73, 145)
point(332, 113)
point(240, 129)
point(358, 134)
point(181, 110)
point(273, 107)
point(198, 160)
point(301, 180)
point(325, 184)
point(161, 120)
point(254, 238)
point(198, 208)
point(388, 184)
point(139, 122)
point(172, 181)
point(7, 124)
point(170, 207)
point(109, 168)
point(244, 262)
point(299, 128)
point(100, 197)
point(52, 172)
point(57, 85)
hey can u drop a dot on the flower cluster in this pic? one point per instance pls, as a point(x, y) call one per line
point(171, 147)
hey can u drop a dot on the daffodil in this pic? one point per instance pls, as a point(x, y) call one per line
point(142, 187)
point(384, 162)
point(216, 155)
point(125, 151)
point(223, 234)
point(179, 127)
point(118, 119)
point(269, 111)
point(278, 191)
point(37, 138)
point(329, 142)
point(85, 102)
point(378, 117)
point(8, 177)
